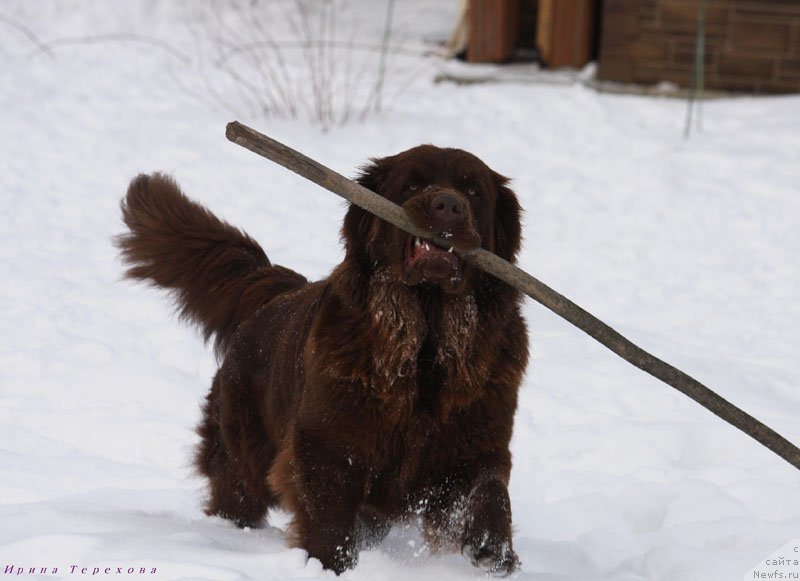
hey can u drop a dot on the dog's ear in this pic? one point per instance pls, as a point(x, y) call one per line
point(507, 221)
point(358, 222)
point(355, 231)
point(373, 175)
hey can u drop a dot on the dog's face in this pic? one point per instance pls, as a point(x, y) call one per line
point(446, 191)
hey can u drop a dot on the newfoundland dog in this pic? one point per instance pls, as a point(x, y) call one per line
point(384, 392)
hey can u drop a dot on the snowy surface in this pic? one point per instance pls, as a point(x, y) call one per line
point(688, 247)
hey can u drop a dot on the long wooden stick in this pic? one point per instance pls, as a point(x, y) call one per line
point(513, 275)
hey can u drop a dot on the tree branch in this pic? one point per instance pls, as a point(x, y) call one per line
point(513, 275)
point(47, 47)
point(13, 22)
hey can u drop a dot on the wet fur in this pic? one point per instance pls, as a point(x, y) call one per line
point(357, 400)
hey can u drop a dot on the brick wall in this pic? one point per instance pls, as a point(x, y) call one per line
point(751, 45)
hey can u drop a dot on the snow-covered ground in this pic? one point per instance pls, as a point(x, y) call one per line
point(688, 247)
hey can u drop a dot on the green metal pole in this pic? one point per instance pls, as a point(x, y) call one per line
point(698, 74)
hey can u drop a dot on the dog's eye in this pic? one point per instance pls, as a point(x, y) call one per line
point(472, 192)
point(413, 187)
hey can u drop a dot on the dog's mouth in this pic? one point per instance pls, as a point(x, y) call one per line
point(419, 249)
point(427, 262)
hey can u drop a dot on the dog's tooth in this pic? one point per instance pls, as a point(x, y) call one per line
point(417, 242)
point(450, 250)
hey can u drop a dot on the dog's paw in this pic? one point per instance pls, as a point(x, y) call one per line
point(492, 554)
point(339, 560)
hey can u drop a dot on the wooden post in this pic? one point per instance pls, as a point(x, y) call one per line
point(493, 29)
point(564, 32)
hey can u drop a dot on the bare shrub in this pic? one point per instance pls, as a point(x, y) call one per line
point(293, 59)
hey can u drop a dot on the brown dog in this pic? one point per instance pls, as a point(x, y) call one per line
point(385, 391)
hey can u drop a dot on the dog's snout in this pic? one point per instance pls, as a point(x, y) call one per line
point(447, 208)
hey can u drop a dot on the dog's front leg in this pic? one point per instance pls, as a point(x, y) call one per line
point(472, 513)
point(328, 486)
point(486, 539)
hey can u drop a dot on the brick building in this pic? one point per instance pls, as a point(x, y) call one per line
point(750, 45)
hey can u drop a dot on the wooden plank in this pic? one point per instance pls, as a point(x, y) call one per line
point(493, 29)
point(544, 29)
point(564, 32)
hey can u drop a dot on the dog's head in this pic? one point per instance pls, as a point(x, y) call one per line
point(443, 190)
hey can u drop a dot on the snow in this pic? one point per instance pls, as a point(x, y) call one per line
point(688, 247)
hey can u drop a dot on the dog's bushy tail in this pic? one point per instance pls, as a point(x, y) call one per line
point(217, 274)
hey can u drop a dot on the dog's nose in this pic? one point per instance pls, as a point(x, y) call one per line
point(447, 208)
